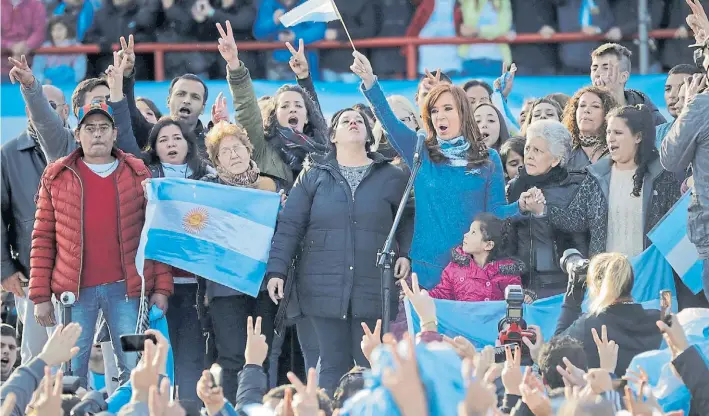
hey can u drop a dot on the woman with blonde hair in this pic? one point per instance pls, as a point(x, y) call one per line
point(613, 315)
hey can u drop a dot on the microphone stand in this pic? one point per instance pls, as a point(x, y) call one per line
point(385, 255)
point(67, 299)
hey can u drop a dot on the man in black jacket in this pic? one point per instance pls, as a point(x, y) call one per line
point(610, 68)
point(21, 169)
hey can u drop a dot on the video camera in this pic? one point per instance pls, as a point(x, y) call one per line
point(575, 265)
point(513, 328)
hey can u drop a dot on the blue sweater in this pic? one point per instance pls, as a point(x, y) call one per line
point(447, 197)
point(661, 131)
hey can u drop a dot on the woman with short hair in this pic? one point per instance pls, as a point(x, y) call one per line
point(535, 240)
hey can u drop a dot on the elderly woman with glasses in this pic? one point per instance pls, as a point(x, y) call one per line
point(534, 240)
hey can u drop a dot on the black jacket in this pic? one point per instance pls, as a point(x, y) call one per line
point(634, 97)
point(536, 242)
point(530, 17)
point(21, 169)
point(340, 235)
point(629, 325)
point(392, 20)
point(692, 368)
point(359, 16)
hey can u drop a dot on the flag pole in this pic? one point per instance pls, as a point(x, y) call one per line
point(339, 16)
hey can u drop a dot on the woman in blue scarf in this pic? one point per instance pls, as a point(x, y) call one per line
point(459, 177)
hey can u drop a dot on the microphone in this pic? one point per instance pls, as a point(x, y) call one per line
point(420, 138)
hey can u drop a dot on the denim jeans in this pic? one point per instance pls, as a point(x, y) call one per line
point(121, 313)
point(229, 315)
point(340, 348)
point(186, 339)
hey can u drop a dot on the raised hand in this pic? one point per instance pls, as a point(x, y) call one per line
point(698, 21)
point(599, 381)
point(220, 111)
point(305, 401)
point(371, 339)
point(512, 372)
point(420, 300)
point(607, 350)
point(256, 346)
point(509, 83)
point(429, 81)
point(462, 346)
point(479, 396)
point(212, 396)
point(403, 381)
point(609, 79)
point(115, 74)
point(693, 86)
point(227, 46)
point(147, 373)
point(532, 391)
point(160, 403)
point(298, 61)
point(50, 399)
point(536, 347)
point(61, 346)
point(573, 376)
point(127, 52)
point(21, 72)
point(363, 69)
point(674, 336)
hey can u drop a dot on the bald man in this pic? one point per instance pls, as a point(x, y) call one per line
point(22, 165)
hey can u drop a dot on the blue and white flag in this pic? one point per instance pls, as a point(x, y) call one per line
point(670, 237)
point(222, 233)
point(311, 11)
point(477, 321)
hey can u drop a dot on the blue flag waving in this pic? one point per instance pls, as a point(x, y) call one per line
point(222, 233)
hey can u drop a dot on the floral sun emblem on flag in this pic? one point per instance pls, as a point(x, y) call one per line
point(195, 220)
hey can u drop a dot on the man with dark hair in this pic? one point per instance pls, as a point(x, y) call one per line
point(186, 100)
point(88, 91)
point(478, 92)
point(21, 167)
point(610, 68)
point(552, 355)
point(673, 84)
point(8, 351)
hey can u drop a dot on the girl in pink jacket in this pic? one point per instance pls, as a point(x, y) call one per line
point(478, 270)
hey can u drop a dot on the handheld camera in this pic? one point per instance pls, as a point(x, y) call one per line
point(513, 328)
point(575, 265)
point(666, 306)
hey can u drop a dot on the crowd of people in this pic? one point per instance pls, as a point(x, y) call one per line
point(493, 208)
point(30, 24)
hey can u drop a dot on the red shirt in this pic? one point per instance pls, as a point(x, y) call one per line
point(102, 251)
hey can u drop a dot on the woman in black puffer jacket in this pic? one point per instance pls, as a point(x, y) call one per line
point(341, 209)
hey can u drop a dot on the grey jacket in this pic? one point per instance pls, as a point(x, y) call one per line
point(22, 383)
point(58, 141)
point(688, 143)
point(588, 211)
point(21, 166)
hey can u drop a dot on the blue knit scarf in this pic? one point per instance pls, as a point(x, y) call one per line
point(456, 150)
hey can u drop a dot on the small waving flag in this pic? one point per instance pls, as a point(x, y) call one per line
point(222, 233)
point(311, 11)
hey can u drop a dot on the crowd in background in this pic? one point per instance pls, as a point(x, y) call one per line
point(496, 202)
point(29, 24)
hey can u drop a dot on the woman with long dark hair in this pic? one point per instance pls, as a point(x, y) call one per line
point(585, 118)
point(337, 216)
point(625, 193)
point(459, 176)
point(172, 151)
point(492, 126)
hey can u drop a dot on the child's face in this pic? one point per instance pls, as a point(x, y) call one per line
point(59, 32)
point(473, 242)
point(512, 164)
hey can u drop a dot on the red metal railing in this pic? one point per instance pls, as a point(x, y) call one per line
point(409, 45)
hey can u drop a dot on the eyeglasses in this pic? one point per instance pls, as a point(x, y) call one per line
point(93, 128)
point(228, 151)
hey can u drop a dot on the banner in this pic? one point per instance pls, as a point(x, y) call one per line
point(334, 96)
point(477, 321)
point(222, 233)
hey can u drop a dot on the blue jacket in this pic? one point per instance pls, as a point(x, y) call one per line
point(447, 197)
point(83, 20)
point(266, 29)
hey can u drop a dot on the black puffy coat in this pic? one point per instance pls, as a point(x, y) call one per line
point(535, 241)
point(340, 235)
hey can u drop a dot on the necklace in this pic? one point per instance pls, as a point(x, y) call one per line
point(115, 161)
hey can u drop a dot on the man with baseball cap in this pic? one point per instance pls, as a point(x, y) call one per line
point(90, 213)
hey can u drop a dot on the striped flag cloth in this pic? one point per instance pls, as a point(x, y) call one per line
point(670, 237)
point(311, 11)
point(222, 233)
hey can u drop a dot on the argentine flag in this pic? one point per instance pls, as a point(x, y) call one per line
point(222, 233)
point(670, 237)
point(311, 11)
point(477, 321)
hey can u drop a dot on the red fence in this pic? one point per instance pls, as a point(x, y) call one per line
point(408, 44)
